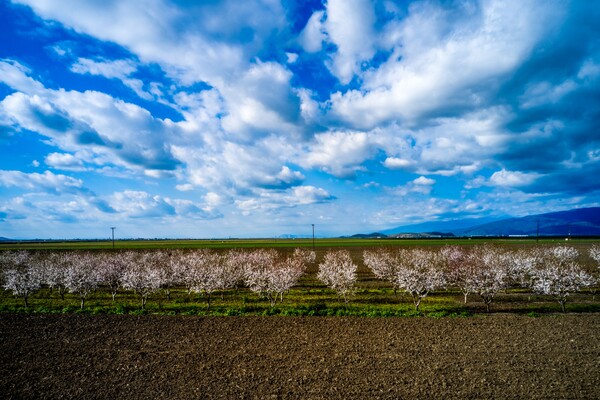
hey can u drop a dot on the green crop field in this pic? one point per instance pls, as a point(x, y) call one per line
point(274, 243)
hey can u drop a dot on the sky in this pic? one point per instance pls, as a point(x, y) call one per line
point(259, 118)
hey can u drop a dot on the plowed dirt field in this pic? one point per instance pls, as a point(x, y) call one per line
point(151, 357)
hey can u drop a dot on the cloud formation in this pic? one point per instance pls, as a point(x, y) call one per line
point(291, 113)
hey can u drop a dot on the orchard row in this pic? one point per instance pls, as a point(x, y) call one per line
point(482, 270)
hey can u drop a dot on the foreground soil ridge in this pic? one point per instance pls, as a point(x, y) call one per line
point(48, 356)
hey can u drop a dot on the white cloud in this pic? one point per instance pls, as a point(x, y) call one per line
point(52, 212)
point(309, 195)
point(293, 197)
point(476, 182)
point(309, 108)
point(421, 185)
point(590, 69)
point(349, 26)
point(234, 168)
point(415, 209)
point(237, 136)
point(186, 187)
point(171, 36)
point(313, 34)
point(46, 181)
point(15, 75)
point(423, 181)
point(64, 161)
point(119, 69)
point(339, 153)
point(430, 42)
point(213, 199)
point(397, 163)
point(262, 101)
point(112, 69)
point(99, 128)
point(541, 93)
point(506, 178)
point(139, 204)
point(291, 57)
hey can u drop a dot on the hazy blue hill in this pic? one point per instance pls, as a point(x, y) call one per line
point(578, 222)
point(373, 235)
point(439, 226)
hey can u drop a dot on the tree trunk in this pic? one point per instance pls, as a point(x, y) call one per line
point(114, 294)
point(562, 306)
point(465, 294)
point(416, 301)
point(26, 301)
point(487, 306)
point(82, 302)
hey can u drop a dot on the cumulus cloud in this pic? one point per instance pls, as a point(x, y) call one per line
point(477, 49)
point(349, 26)
point(493, 97)
point(397, 163)
point(46, 181)
point(262, 101)
point(112, 69)
point(313, 35)
point(64, 161)
point(99, 127)
point(120, 69)
point(339, 153)
point(421, 185)
point(293, 197)
point(140, 204)
point(15, 75)
point(232, 168)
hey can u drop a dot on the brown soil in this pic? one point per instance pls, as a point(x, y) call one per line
point(146, 357)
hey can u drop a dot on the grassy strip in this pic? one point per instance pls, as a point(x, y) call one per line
point(314, 301)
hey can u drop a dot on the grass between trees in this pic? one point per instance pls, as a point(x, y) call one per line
point(307, 299)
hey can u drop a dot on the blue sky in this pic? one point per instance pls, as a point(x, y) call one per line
point(260, 118)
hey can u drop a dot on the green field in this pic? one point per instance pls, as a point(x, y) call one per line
point(275, 243)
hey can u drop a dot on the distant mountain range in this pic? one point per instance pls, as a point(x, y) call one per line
point(439, 226)
point(577, 222)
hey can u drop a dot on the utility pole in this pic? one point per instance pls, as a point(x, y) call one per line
point(112, 228)
point(313, 228)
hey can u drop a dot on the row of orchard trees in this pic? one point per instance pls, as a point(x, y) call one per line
point(266, 272)
point(483, 270)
